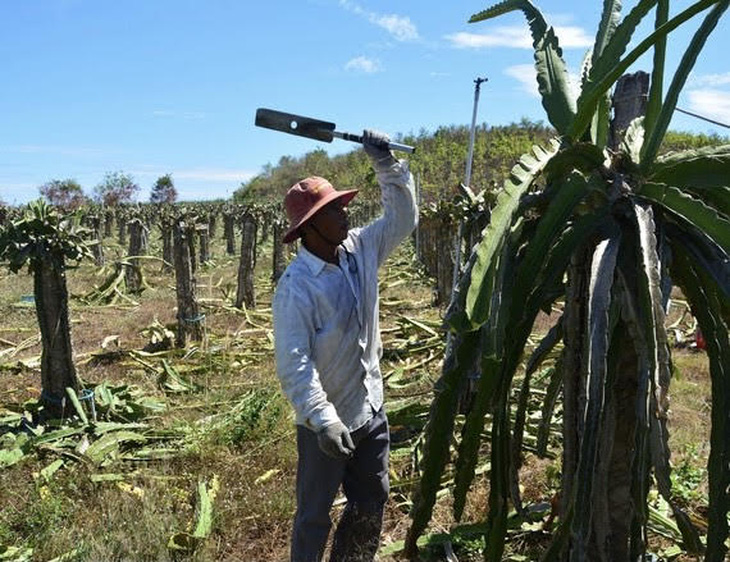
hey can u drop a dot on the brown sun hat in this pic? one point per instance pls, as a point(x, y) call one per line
point(307, 197)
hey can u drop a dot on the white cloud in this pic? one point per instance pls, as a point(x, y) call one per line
point(502, 37)
point(525, 75)
point(363, 64)
point(572, 37)
point(710, 80)
point(710, 103)
point(518, 37)
point(400, 27)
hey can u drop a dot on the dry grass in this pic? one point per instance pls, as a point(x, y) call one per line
point(133, 519)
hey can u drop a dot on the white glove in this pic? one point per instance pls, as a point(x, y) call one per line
point(376, 146)
point(335, 441)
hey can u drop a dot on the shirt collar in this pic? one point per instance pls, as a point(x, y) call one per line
point(314, 263)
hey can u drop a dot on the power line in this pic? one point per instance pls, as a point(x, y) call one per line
point(703, 118)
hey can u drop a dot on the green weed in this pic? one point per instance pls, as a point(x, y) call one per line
point(688, 477)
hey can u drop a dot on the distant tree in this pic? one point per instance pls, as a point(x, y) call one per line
point(439, 162)
point(65, 194)
point(164, 190)
point(116, 188)
point(680, 140)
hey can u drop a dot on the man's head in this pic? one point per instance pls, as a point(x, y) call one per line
point(316, 196)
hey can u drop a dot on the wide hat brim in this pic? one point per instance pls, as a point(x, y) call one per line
point(346, 196)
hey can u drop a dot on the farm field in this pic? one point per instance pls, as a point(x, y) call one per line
point(543, 427)
point(193, 453)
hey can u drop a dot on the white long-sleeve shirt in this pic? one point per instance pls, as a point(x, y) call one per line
point(326, 325)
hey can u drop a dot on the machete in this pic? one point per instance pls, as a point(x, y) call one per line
point(311, 128)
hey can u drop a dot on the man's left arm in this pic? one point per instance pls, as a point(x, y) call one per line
point(400, 212)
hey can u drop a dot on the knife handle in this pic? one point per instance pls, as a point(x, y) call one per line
point(358, 138)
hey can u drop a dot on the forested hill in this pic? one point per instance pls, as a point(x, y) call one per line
point(439, 161)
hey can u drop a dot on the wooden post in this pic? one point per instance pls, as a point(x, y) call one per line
point(613, 511)
point(212, 223)
point(445, 259)
point(417, 230)
point(57, 367)
point(629, 102)
point(189, 318)
point(133, 270)
point(108, 222)
point(229, 231)
point(247, 263)
point(98, 248)
point(144, 237)
point(264, 227)
point(121, 228)
point(203, 240)
point(167, 253)
point(279, 264)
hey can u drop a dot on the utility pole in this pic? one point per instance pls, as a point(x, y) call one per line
point(467, 181)
point(468, 392)
point(477, 85)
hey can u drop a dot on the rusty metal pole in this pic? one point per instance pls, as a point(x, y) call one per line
point(470, 157)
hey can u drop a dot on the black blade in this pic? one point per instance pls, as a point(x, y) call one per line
point(294, 124)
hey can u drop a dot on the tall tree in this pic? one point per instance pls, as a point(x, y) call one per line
point(65, 194)
point(606, 228)
point(164, 190)
point(116, 188)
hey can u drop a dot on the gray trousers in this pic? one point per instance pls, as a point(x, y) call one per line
point(365, 483)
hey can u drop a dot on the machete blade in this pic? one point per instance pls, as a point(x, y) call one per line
point(295, 124)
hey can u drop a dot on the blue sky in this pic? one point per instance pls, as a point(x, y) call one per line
point(151, 87)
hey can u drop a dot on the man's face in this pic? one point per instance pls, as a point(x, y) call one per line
point(331, 222)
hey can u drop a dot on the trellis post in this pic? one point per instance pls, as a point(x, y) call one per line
point(189, 319)
point(247, 263)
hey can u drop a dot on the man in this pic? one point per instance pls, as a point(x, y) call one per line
point(328, 350)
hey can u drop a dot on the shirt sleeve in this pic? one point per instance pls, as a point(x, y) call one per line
point(293, 340)
point(400, 213)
